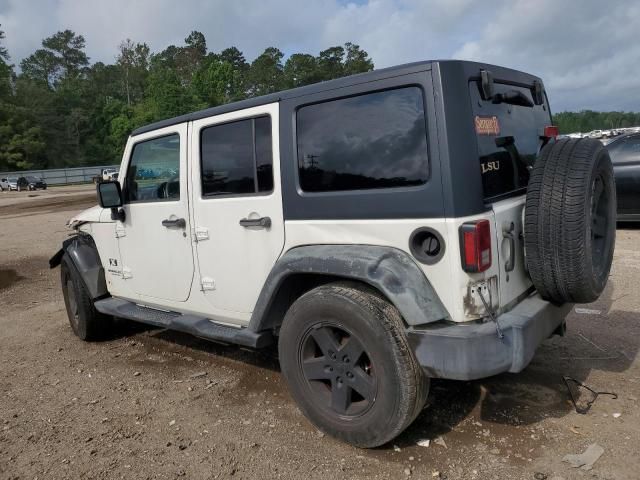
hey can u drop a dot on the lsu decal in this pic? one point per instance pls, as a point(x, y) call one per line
point(490, 166)
point(487, 125)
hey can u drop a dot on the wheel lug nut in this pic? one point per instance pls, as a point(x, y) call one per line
point(346, 359)
point(349, 375)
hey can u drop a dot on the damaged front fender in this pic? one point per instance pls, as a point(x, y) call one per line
point(85, 258)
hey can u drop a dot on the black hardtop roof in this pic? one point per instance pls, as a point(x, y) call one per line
point(407, 68)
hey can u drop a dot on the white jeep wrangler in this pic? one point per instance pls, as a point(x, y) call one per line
point(413, 222)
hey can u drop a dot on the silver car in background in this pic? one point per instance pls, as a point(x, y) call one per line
point(8, 183)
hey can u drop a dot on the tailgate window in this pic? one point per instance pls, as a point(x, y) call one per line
point(509, 130)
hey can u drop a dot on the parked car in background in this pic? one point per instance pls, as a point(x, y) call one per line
point(9, 183)
point(625, 156)
point(30, 183)
point(595, 134)
point(109, 174)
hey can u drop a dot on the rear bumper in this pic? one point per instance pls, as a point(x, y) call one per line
point(471, 351)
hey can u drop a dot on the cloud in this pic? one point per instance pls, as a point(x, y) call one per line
point(586, 51)
point(588, 55)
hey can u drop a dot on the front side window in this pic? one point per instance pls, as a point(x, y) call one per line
point(376, 140)
point(236, 158)
point(154, 171)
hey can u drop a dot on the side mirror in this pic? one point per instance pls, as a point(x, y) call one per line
point(109, 194)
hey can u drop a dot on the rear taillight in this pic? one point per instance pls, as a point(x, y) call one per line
point(475, 246)
point(551, 132)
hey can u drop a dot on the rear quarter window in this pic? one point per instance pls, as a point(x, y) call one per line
point(370, 141)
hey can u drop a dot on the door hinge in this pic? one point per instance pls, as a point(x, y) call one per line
point(207, 284)
point(201, 234)
point(126, 273)
point(120, 231)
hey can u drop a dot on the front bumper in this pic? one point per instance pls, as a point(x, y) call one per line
point(473, 350)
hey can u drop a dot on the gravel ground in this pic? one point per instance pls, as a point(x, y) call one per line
point(155, 404)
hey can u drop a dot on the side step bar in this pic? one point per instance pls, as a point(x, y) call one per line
point(192, 324)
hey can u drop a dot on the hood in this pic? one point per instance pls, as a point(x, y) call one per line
point(93, 214)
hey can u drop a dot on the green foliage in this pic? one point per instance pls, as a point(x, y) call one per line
point(266, 74)
point(62, 111)
point(301, 69)
point(62, 57)
point(588, 120)
point(20, 144)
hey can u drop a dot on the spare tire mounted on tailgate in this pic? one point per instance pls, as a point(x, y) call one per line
point(570, 221)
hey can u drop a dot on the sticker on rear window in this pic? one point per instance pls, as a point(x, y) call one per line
point(487, 125)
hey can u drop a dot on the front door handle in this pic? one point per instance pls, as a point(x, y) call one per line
point(177, 223)
point(263, 222)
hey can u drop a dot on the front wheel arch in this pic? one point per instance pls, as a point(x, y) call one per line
point(86, 322)
point(82, 251)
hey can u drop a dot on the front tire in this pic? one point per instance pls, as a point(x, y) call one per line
point(86, 322)
point(348, 365)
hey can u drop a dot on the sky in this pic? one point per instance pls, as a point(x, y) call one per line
point(586, 51)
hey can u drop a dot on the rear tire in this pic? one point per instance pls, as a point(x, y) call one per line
point(570, 221)
point(348, 365)
point(86, 322)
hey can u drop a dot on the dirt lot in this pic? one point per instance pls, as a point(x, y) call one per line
point(154, 404)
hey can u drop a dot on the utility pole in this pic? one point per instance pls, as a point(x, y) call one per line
point(312, 160)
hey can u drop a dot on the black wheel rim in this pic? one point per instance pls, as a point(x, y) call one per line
point(338, 370)
point(600, 223)
point(73, 304)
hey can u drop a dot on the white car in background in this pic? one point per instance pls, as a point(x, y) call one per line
point(109, 174)
point(595, 134)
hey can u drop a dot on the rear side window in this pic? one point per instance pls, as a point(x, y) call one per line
point(236, 158)
point(154, 171)
point(376, 140)
point(509, 138)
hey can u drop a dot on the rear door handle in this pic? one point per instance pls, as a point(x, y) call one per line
point(177, 223)
point(263, 222)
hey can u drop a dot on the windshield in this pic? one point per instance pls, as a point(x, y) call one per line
point(508, 130)
point(33, 179)
point(13, 179)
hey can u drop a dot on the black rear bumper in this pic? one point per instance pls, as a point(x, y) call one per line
point(474, 350)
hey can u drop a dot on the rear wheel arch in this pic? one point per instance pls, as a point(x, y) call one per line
point(294, 286)
point(387, 271)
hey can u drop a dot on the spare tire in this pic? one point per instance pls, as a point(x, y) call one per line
point(570, 221)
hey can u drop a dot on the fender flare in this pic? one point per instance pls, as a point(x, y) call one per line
point(84, 255)
point(389, 270)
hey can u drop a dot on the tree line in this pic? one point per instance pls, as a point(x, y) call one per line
point(588, 120)
point(60, 110)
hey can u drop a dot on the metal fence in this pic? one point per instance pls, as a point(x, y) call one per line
point(62, 176)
